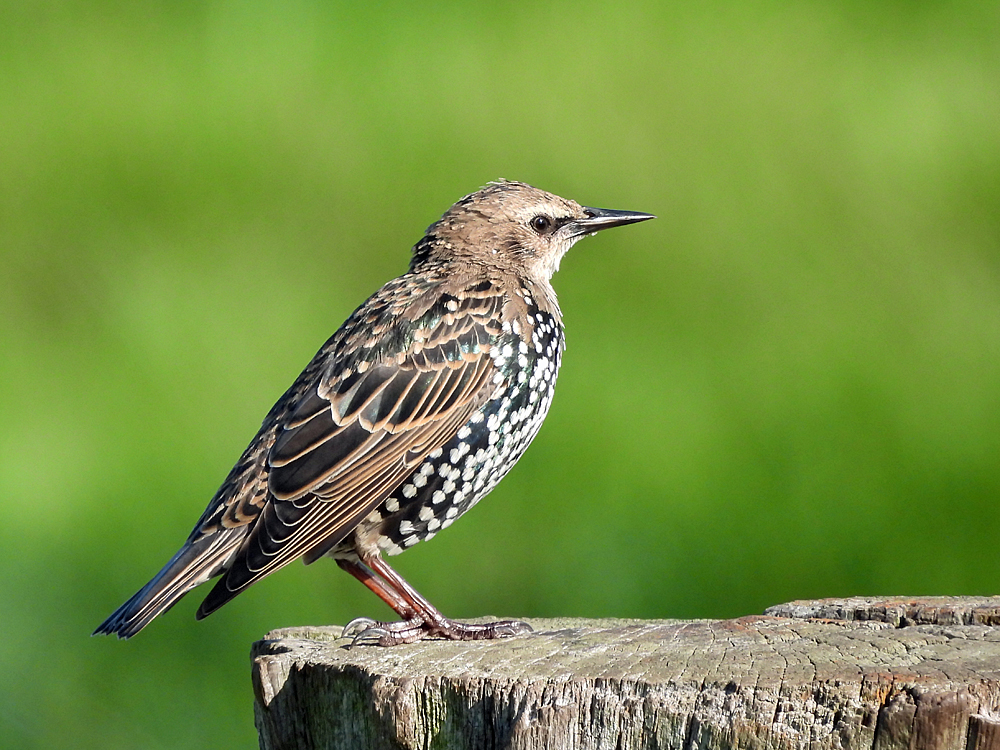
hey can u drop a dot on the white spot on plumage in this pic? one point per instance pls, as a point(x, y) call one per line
point(390, 547)
point(458, 452)
point(479, 456)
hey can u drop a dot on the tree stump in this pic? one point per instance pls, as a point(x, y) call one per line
point(870, 673)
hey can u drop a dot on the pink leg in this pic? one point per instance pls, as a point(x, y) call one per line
point(420, 618)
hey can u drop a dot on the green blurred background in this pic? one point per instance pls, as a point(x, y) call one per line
point(784, 387)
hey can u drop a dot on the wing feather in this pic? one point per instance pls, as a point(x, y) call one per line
point(305, 439)
point(290, 478)
point(366, 388)
point(349, 442)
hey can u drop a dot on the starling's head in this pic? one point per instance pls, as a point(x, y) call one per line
point(515, 227)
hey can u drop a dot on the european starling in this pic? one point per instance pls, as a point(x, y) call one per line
point(407, 417)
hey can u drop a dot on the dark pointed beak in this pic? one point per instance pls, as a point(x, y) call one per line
point(606, 218)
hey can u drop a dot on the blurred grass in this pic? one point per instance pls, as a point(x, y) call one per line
point(785, 387)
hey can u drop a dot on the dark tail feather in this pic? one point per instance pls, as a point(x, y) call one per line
point(219, 595)
point(191, 566)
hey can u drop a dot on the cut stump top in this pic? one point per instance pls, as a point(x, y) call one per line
point(847, 673)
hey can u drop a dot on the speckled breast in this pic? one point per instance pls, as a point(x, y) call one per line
point(456, 476)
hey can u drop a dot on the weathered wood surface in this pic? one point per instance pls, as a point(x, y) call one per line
point(919, 673)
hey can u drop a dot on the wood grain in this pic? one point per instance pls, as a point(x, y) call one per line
point(879, 673)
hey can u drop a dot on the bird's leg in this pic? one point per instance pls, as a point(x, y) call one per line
point(420, 618)
point(364, 574)
point(360, 625)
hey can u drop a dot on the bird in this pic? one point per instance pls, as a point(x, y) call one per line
point(412, 412)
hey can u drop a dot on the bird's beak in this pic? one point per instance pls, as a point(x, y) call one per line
point(605, 218)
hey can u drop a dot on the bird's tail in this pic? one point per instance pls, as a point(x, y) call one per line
point(195, 563)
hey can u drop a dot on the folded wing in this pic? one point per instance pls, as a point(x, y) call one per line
point(354, 435)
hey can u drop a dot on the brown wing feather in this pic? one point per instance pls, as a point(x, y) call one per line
point(284, 534)
point(347, 444)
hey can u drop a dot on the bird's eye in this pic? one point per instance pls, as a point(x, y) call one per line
point(541, 224)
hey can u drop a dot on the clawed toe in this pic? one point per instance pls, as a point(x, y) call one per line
point(372, 636)
point(364, 631)
point(510, 628)
point(357, 626)
point(462, 631)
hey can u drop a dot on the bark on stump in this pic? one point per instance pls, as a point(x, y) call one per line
point(921, 673)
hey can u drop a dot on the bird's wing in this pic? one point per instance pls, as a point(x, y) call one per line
point(361, 426)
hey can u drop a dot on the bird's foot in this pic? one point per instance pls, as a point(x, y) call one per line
point(367, 632)
point(364, 631)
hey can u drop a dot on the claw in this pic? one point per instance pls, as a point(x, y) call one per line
point(372, 636)
point(510, 628)
point(364, 631)
point(356, 626)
